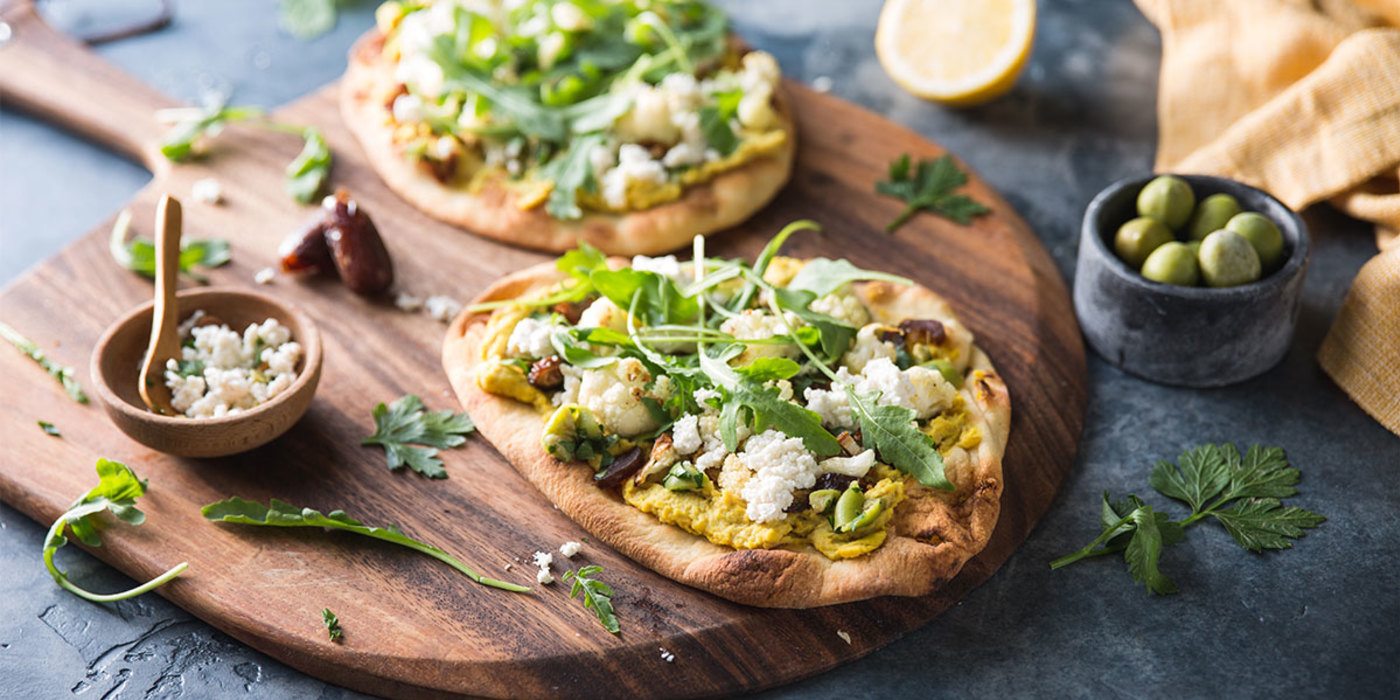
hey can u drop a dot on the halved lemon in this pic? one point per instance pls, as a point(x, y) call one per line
point(958, 52)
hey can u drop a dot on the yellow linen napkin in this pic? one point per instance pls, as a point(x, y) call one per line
point(1300, 98)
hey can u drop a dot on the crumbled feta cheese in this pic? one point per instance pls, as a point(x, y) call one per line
point(685, 435)
point(544, 577)
point(602, 313)
point(569, 549)
point(780, 465)
point(667, 656)
point(421, 74)
point(408, 108)
point(705, 394)
point(442, 308)
point(543, 559)
point(569, 392)
point(714, 452)
point(666, 266)
point(614, 394)
point(844, 306)
point(856, 465)
point(531, 338)
point(229, 380)
point(920, 389)
point(264, 276)
point(407, 302)
point(633, 163)
point(821, 83)
point(649, 119)
point(207, 190)
point(756, 324)
point(867, 347)
point(602, 158)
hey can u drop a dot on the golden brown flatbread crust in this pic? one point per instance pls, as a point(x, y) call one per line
point(932, 535)
point(725, 201)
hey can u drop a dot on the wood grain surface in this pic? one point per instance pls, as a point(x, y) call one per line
point(413, 627)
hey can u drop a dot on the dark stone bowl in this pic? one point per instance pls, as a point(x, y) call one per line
point(1187, 336)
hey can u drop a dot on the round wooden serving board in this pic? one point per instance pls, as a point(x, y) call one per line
point(413, 627)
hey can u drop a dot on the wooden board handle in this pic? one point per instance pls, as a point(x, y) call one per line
point(60, 81)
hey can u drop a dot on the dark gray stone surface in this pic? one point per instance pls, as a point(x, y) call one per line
point(1315, 621)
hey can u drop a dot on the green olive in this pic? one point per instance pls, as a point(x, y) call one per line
point(872, 510)
point(1228, 259)
point(1195, 247)
point(848, 508)
point(1172, 263)
point(1137, 239)
point(1167, 199)
point(1211, 215)
point(821, 499)
point(1262, 234)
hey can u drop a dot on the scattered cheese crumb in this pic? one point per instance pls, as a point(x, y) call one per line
point(569, 549)
point(508, 565)
point(207, 190)
point(667, 656)
point(442, 308)
point(844, 635)
point(264, 276)
point(407, 302)
point(543, 560)
point(821, 83)
point(544, 577)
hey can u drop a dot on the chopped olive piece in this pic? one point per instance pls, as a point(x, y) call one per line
point(922, 332)
point(684, 477)
point(836, 482)
point(545, 373)
point(822, 499)
point(623, 466)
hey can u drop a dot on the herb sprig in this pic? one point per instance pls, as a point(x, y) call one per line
point(62, 373)
point(929, 187)
point(49, 428)
point(332, 624)
point(306, 175)
point(410, 434)
point(139, 254)
point(283, 514)
point(1241, 492)
point(117, 490)
point(597, 596)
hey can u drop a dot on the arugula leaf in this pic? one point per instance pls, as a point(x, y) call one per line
point(574, 353)
point(822, 276)
point(117, 490)
point(715, 127)
point(834, 336)
point(767, 369)
point(332, 624)
point(891, 431)
point(1144, 550)
point(514, 104)
point(62, 373)
point(580, 262)
point(306, 19)
point(307, 174)
point(1258, 524)
point(656, 298)
point(570, 172)
point(139, 254)
point(49, 428)
point(407, 421)
point(597, 596)
point(283, 514)
point(766, 407)
point(190, 124)
point(929, 187)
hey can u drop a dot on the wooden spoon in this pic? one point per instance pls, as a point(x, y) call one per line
point(165, 326)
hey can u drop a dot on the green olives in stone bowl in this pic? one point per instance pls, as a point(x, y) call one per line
point(1158, 306)
point(1229, 246)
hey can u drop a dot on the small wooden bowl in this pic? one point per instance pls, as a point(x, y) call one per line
point(116, 368)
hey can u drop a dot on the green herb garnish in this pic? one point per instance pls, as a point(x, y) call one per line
point(306, 174)
point(63, 374)
point(929, 187)
point(49, 428)
point(117, 490)
point(597, 596)
point(283, 514)
point(1241, 492)
point(405, 423)
point(332, 624)
point(139, 254)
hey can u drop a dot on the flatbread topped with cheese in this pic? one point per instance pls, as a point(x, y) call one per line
point(629, 125)
point(787, 433)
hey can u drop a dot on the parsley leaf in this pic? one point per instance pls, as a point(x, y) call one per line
point(597, 596)
point(407, 421)
point(139, 254)
point(306, 175)
point(1241, 492)
point(62, 373)
point(891, 431)
point(117, 490)
point(283, 514)
point(332, 624)
point(193, 124)
point(929, 187)
point(49, 428)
